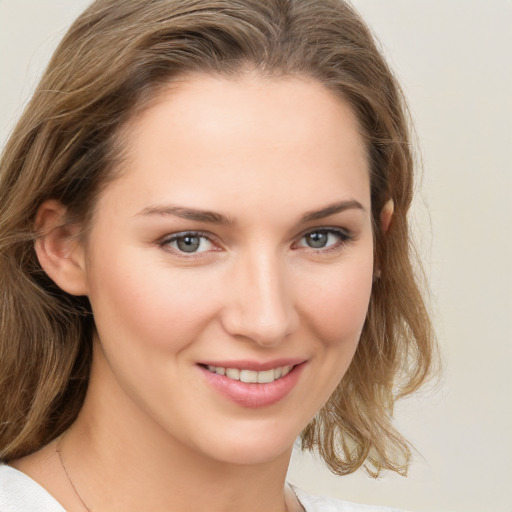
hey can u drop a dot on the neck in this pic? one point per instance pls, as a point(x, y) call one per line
point(135, 465)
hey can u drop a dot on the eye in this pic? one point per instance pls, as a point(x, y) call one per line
point(188, 243)
point(324, 238)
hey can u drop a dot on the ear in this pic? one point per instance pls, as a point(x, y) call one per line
point(58, 249)
point(386, 215)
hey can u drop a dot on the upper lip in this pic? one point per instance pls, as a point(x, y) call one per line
point(258, 366)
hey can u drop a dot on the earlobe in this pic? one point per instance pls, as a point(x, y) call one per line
point(385, 219)
point(386, 215)
point(58, 249)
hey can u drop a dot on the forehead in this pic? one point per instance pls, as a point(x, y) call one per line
point(208, 139)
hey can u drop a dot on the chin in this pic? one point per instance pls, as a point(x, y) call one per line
point(242, 446)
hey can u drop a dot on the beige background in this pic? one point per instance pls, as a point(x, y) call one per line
point(454, 59)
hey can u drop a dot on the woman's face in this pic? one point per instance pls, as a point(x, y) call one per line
point(236, 246)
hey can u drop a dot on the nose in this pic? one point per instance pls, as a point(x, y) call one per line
point(260, 305)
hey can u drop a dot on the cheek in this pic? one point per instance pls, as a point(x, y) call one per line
point(142, 305)
point(333, 308)
point(336, 303)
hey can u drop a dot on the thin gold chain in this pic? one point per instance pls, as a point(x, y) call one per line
point(58, 448)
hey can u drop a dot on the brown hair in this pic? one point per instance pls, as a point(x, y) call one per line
point(113, 60)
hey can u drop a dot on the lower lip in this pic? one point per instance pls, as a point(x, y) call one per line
point(254, 395)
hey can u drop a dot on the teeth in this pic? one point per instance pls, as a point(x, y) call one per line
point(248, 376)
point(266, 377)
point(233, 373)
point(251, 376)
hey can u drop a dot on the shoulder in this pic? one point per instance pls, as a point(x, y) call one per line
point(19, 493)
point(322, 504)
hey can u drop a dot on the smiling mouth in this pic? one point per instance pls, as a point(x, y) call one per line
point(251, 376)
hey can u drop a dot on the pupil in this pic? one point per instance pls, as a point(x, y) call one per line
point(189, 243)
point(317, 239)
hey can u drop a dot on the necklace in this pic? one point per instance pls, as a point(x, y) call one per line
point(58, 449)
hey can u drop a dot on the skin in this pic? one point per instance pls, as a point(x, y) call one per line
point(264, 153)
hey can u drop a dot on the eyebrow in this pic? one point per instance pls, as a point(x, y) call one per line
point(218, 218)
point(332, 209)
point(189, 214)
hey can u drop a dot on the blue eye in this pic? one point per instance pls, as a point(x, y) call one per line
point(324, 238)
point(188, 243)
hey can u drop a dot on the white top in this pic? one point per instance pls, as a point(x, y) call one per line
point(19, 493)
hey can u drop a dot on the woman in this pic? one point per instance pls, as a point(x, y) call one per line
point(204, 255)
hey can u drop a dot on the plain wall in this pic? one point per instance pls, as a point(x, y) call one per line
point(454, 60)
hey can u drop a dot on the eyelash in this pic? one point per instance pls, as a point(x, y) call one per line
point(343, 236)
point(165, 243)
